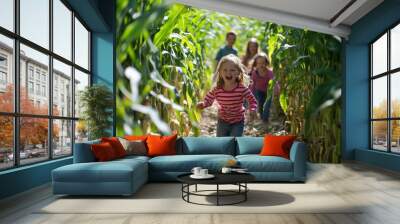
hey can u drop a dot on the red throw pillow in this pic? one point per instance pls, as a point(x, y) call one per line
point(277, 145)
point(103, 151)
point(135, 137)
point(161, 145)
point(116, 145)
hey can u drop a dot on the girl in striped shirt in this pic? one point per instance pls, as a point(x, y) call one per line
point(230, 93)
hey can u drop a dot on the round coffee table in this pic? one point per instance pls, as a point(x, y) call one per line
point(238, 179)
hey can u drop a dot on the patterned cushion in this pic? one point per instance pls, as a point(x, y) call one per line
point(136, 147)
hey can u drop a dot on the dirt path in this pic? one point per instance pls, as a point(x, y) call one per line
point(275, 125)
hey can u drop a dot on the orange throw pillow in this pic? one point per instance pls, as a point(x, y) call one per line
point(116, 145)
point(277, 145)
point(161, 145)
point(135, 137)
point(103, 151)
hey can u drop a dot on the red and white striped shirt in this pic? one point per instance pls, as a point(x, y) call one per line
point(230, 103)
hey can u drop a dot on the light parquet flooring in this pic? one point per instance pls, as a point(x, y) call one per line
point(376, 189)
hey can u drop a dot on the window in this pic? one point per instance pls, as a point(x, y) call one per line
point(62, 129)
point(3, 78)
point(385, 94)
point(37, 74)
point(62, 74)
point(7, 14)
point(34, 21)
point(81, 45)
point(3, 61)
point(30, 72)
point(44, 91)
point(55, 126)
point(3, 72)
point(38, 89)
point(6, 73)
point(30, 87)
point(33, 149)
point(7, 142)
point(55, 99)
point(81, 81)
point(62, 29)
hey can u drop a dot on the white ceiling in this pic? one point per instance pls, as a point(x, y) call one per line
point(317, 15)
point(320, 9)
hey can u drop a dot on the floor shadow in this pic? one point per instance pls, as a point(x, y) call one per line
point(255, 198)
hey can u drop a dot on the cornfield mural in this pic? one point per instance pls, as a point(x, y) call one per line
point(165, 61)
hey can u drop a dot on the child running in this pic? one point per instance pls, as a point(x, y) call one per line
point(230, 94)
point(261, 75)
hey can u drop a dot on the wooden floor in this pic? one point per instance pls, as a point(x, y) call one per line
point(378, 189)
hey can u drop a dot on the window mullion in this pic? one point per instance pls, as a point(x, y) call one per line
point(389, 94)
point(50, 81)
point(371, 88)
point(73, 81)
point(16, 69)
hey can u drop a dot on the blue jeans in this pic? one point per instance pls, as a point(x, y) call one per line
point(263, 107)
point(260, 97)
point(226, 129)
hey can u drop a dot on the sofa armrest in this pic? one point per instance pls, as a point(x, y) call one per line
point(298, 155)
point(83, 152)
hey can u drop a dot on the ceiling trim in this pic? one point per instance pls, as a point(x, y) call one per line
point(347, 11)
point(271, 15)
point(89, 12)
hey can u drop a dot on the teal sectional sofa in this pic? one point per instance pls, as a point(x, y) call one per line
point(125, 176)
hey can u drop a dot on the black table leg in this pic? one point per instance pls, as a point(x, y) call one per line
point(182, 190)
point(196, 188)
point(188, 189)
point(245, 193)
point(217, 194)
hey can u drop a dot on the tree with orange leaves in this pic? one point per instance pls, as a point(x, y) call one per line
point(32, 130)
point(380, 127)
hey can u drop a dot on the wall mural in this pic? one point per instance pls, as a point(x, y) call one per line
point(168, 76)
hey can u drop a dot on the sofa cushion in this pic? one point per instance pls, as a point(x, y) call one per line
point(277, 145)
point(135, 137)
point(161, 145)
point(83, 152)
point(185, 163)
point(112, 171)
point(116, 145)
point(207, 145)
point(134, 147)
point(103, 151)
point(249, 145)
point(257, 163)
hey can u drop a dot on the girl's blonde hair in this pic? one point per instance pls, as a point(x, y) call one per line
point(261, 55)
point(247, 58)
point(235, 60)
